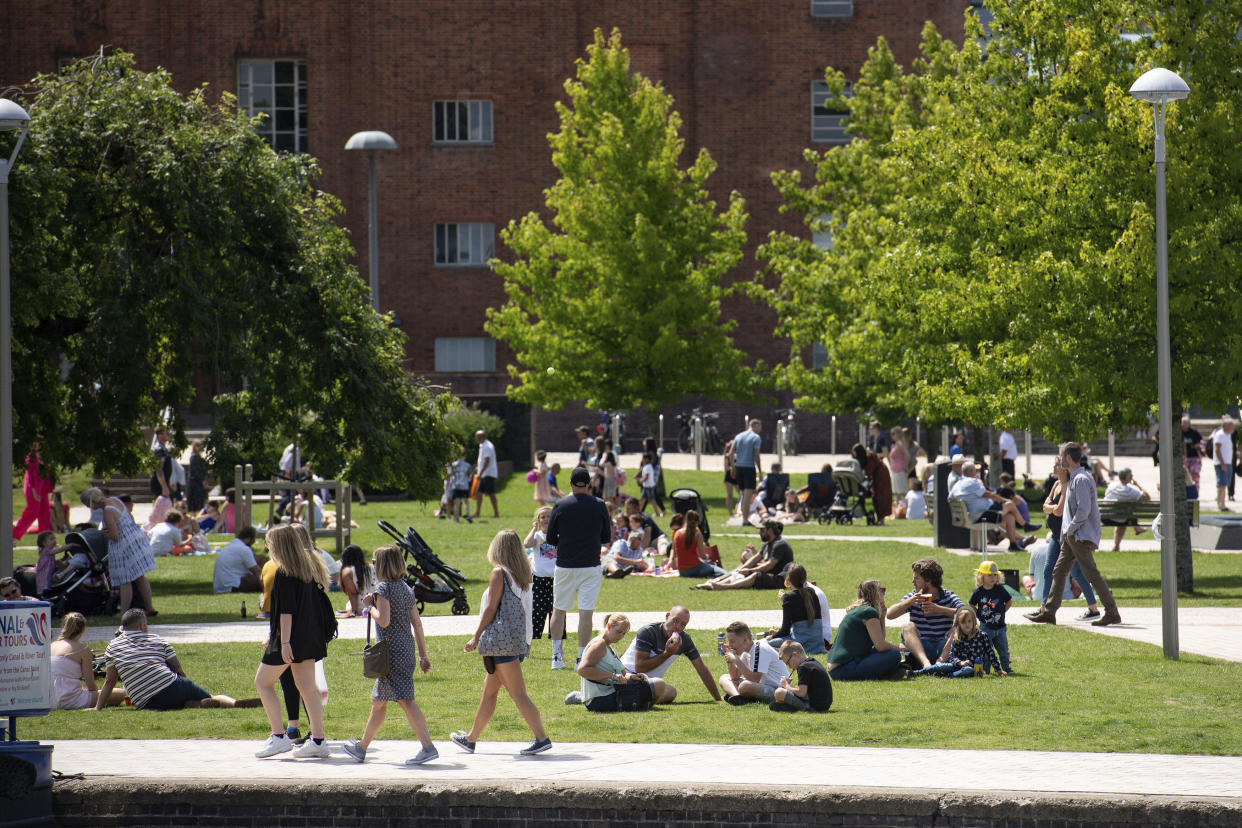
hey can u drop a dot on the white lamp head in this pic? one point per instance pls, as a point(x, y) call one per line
point(1159, 86)
point(373, 140)
point(12, 116)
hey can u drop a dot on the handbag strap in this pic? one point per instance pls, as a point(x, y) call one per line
point(368, 626)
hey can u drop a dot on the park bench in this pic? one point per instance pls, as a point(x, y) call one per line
point(960, 517)
point(1137, 512)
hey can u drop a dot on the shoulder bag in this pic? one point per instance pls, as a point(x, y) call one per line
point(327, 615)
point(506, 634)
point(375, 657)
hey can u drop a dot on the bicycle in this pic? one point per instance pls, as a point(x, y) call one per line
point(712, 442)
point(786, 415)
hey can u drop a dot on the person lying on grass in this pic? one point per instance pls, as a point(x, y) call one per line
point(148, 667)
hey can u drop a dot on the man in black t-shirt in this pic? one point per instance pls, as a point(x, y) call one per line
point(656, 646)
point(813, 689)
point(578, 526)
point(763, 570)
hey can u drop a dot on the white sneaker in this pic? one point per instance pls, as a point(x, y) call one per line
point(310, 750)
point(558, 661)
point(275, 744)
point(574, 697)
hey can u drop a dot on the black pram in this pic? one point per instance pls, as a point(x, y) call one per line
point(434, 581)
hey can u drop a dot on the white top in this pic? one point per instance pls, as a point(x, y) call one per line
point(523, 594)
point(916, 505)
point(1122, 491)
point(823, 608)
point(762, 658)
point(648, 476)
point(1222, 445)
point(486, 450)
point(164, 536)
point(233, 562)
point(291, 460)
point(1008, 446)
point(543, 556)
point(460, 473)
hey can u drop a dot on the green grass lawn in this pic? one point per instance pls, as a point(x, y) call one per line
point(1072, 692)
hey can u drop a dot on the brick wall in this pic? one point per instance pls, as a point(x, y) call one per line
point(104, 803)
point(739, 72)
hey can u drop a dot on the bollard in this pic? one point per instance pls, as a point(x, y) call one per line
point(696, 432)
point(833, 447)
point(780, 442)
point(1112, 450)
point(1028, 453)
point(660, 442)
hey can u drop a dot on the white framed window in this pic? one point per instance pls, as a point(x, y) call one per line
point(832, 8)
point(465, 244)
point(827, 125)
point(277, 90)
point(465, 353)
point(462, 122)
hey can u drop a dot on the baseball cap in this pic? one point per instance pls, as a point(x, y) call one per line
point(987, 568)
point(580, 477)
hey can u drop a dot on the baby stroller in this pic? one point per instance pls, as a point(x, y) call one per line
point(88, 591)
point(686, 499)
point(434, 581)
point(853, 493)
point(821, 493)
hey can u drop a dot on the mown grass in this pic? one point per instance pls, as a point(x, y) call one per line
point(1072, 692)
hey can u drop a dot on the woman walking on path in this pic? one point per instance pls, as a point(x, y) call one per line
point(393, 609)
point(503, 639)
point(38, 491)
point(129, 551)
point(297, 638)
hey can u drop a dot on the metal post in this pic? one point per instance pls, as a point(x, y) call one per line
point(1028, 453)
point(616, 433)
point(862, 433)
point(833, 447)
point(944, 440)
point(696, 433)
point(6, 383)
point(1168, 550)
point(1112, 450)
point(780, 442)
point(660, 441)
point(373, 237)
point(918, 431)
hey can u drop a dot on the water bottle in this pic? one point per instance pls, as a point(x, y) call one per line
point(978, 666)
point(243, 608)
point(720, 643)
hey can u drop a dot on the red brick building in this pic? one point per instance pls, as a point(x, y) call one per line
point(466, 87)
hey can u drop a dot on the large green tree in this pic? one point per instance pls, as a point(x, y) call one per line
point(618, 299)
point(162, 249)
point(993, 223)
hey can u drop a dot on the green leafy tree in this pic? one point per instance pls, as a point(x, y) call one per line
point(993, 224)
point(160, 245)
point(618, 299)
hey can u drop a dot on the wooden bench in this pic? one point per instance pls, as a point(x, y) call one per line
point(1137, 512)
point(960, 516)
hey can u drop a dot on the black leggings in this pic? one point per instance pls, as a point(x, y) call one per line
point(293, 700)
point(541, 606)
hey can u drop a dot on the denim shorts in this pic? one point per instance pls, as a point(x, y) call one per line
point(932, 645)
point(1224, 475)
point(490, 662)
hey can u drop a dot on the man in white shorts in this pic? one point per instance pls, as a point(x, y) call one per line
point(578, 527)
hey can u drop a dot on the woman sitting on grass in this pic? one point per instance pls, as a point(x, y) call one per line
point(859, 651)
point(801, 617)
point(606, 685)
point(356, 579)
point(690, 551)
point(73, 666)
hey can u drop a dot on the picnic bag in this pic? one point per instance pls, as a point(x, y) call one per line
point(375, 657)
point(633, 696)
point(506, 634)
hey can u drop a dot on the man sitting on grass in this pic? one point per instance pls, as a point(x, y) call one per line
point(765, 570)
point(656, 646)
point(148, 667)
point(755, 670)
point(813, 691)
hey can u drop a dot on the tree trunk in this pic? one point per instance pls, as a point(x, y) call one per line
point(1182, 508)
point(994, 465)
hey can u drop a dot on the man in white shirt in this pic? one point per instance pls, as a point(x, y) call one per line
point(1008, 452)
point(237, 568)
point(486, 469)
point(1222, 459)
point(291, 468)
point(755, 669)
point(971, 491)
point(1125, 488)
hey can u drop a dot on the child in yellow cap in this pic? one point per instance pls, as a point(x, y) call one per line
point(991, 601)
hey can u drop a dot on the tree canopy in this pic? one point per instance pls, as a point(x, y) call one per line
point(993, 256)
point(162, 249)
point(618, 299)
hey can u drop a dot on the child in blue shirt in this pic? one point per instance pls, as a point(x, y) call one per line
point(991, 601)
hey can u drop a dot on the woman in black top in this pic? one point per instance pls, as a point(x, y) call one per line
point(296, 638)
point(801, 615)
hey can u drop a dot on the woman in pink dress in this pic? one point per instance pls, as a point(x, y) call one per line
point(38, 490)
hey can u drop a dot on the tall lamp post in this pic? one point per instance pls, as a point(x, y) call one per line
point(1159, 87)
point(12, 118)
point(372, 142)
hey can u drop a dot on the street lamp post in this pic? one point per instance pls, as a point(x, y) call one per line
point(372, 142)
point(1159, 87)
point(12, 118)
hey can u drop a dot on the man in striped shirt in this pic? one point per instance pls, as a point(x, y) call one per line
point(148, 667)
point(931, 613)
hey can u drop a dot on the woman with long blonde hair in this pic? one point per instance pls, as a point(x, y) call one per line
point(503, 638)
point(296, 638)
point(859, 650)
point(73, 666)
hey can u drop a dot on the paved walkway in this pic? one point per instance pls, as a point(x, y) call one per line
point(1208, 631)
point(695, 765)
